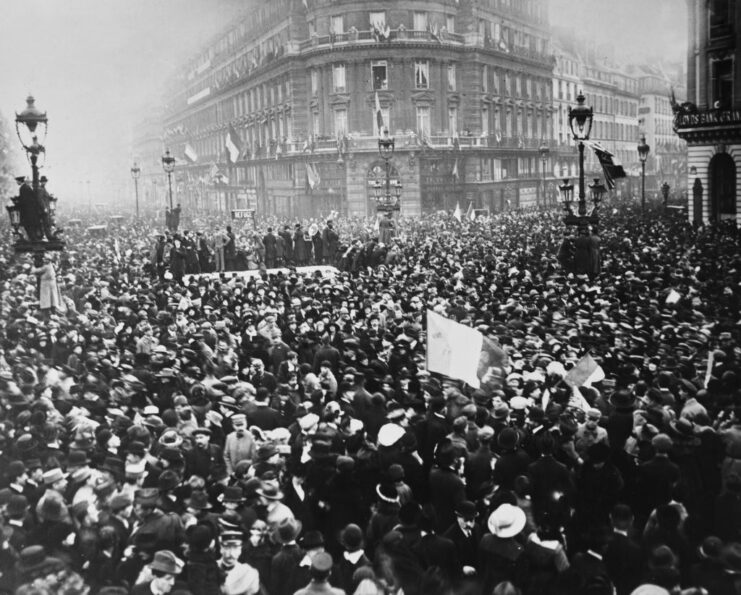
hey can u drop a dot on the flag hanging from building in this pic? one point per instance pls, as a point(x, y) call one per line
point(233, 145)
point(470, 214)
point(190, 154)
point(454, 173)
point(379, 116)
point(213, 171)
point(312, 176)
point(584, 373)
point(457, 212)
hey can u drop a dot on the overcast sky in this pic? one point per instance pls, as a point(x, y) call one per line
point(94, 64)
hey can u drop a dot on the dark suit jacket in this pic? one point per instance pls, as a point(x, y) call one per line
point(587, 566)
point(655, 480)
point(624, 561)
point(265, 418)
point(436, 550)
point(467, 547)
point(284, 570)
point(547, 476)
point(446, 491)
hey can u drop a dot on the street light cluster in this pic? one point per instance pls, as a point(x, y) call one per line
point(387, 195)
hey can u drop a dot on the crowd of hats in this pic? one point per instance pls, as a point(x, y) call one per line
point(111, 396)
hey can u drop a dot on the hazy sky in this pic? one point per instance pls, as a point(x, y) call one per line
point(93, 64)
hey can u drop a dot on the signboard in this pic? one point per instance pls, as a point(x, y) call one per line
point(480, 213)
point(528, 196)
point(244, 216)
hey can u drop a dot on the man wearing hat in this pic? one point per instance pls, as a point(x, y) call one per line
point(353, 557)
point(285, 562)
point(466, 534)
point(205, 460)
point(239, 445)
point(56, 482)
point(238, 578)
point(165, 568)
point(31, 209)
point(150, 518)
point(321, 568)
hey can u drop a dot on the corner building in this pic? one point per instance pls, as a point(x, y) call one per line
point(464, 86)
point(710, 120)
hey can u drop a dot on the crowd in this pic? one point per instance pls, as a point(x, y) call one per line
point(281, 434)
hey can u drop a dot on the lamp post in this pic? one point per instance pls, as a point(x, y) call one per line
point(643, 151)
point(544, 152)
point(387, 195)
point(136, 171)
point(586, 258)
point(168, 164)
point(33, 208)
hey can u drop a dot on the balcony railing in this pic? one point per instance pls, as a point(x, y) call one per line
point(371, 37)
point(707, 118)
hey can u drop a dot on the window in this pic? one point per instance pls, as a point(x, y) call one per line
point(314, 82)
point(386, 114)
point(338, 78)
point(450, 23)
point(379, 75)
point(337, 24)
point(722, 83)
point(340, 122)
point(485, 78)
point(423, 120)
point(315, 123)
point(720, 17)
point(378, 20)
point(422, 74)
point(484, 122)
point(420, 21)
point(451, 77)
point(453, 120)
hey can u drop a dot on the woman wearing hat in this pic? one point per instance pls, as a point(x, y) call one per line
point(501, 551)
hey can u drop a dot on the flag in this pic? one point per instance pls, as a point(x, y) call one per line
point(470, 215)
point(455, 170)
point(117, 249)
point(492, 362)
point(611, 167)
point(233, 143)
point(312, 176)
point(584, 373)
point(379, 116)
point(377, 225)
point(453, 349)
point(457, 212)
point(190, 154)
point(212, 173)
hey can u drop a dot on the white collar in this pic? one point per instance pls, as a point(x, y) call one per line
point(306, 561)
point(353, 557)
point(621, 532)
point(595, 554)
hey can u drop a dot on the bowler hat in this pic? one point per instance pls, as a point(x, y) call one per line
point(466, 509)
point(351, 537)
point(17, 506)
point(147, 496)
point(198, 500)
point(35, 563)
point(286, 531)
point(312, 540)
point(232, 494)
point(269, 491)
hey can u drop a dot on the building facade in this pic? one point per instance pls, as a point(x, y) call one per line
point(710, 120)
point(567, 85)
point(667, 161)
point(464, 87)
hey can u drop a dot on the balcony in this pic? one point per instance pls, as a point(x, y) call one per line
point(350, 38)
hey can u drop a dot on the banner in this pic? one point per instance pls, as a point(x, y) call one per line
point(584, 373)
point(453, 349)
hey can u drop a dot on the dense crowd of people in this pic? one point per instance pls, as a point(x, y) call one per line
point(280, 433)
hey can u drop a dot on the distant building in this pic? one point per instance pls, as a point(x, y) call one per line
point(710, 121)
point(465, 88)
point(566, 86)
point(667, 161)
point(147, 152)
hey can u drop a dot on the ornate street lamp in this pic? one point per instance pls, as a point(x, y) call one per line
point(41, 235)
point(387, 199)
point(168, 164)
point(136, 171)
point(586, 260)
point(544, 153)
point(643, 151)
